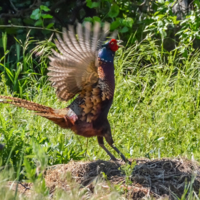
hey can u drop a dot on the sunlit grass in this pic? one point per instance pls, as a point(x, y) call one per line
point(155, 114)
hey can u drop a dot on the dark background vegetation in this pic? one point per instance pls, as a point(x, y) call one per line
point(156, 107)
point(171, 22)
point(127, 16)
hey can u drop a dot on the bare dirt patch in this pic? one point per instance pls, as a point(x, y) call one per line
point(165, 178)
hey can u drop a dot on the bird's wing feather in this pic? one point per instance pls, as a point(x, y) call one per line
point(75, 67)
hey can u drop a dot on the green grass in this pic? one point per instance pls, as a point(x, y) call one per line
point(155, 114)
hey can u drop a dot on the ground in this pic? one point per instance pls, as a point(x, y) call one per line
point(159, 179)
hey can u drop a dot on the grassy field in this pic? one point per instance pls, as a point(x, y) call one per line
point(155, 114)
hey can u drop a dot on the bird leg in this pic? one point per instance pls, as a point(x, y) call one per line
point(101, 144)
point(111, 142)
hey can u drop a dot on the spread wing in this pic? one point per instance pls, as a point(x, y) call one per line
point(75, 67)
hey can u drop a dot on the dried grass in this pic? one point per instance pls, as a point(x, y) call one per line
point(166, 178)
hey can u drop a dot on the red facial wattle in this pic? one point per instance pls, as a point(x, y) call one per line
point(113, 45)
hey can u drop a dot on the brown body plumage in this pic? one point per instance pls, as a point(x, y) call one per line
point(80, 70)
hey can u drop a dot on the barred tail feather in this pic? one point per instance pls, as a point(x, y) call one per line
point(25, 104)
point(59, 117)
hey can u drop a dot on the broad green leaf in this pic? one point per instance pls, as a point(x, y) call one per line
point(115, 24)
point(50, 25)
point(95, 4)
point(88, 19)
point(174, 19)
point(114, 11)
point(45, 16)
point(96, 19)
point(91, 4)
point(36, 14)
point(45, 8)
point(128, 22)
point(124, 29)
point(39, 22)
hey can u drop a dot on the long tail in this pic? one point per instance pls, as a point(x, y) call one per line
point(58, 116)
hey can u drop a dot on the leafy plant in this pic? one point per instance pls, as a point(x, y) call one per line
point(39, 15)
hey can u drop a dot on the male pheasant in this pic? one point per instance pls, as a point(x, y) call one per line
point(84, 67)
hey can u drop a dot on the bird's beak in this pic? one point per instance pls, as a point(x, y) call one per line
point(118, 43)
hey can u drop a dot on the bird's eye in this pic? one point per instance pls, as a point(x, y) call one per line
point(112, 42)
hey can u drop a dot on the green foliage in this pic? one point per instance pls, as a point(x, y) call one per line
point(155, 17)
point(127, 169)
point(114, 11)
point(155, 91)
point(155, 114)
point(162, 22)
point(156, 106)
point(110, 11)
point(25, 69)
point(190, 29)
point(39, 15)
point(91, 4)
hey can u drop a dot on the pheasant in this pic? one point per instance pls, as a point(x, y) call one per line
point(84, 70)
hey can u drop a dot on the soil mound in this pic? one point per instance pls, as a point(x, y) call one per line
point(165, 178)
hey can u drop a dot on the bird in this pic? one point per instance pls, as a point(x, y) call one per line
point(81, 70)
